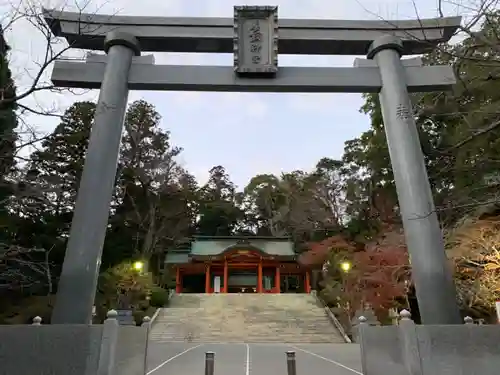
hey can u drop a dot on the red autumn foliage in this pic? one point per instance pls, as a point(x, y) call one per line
point(378, 277)
point(379, 271)
point(320, 251)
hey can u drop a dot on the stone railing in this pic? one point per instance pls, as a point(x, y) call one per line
point(66, 349)
point(410, 349)
point(171, 293)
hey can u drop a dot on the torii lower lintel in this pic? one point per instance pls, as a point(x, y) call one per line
point(89, 75)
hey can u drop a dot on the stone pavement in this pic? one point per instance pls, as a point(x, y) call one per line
point(179, 358)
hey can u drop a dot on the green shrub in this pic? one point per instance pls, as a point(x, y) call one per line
point(170, 284)
point(140, 314)
point(159, 297)
point(124, 287)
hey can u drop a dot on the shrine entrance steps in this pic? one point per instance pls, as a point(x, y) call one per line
point(244, 318)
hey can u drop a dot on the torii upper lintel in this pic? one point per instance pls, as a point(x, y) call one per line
point(215, 35)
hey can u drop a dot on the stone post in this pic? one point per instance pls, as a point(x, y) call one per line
point(409, 343)
point(108, 344)
point(77, 285)
point(364, 315)
point(468, 320)
point(146, 324)
point(433, 280)
point(359, 336)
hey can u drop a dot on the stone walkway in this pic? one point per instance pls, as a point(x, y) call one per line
point(253, 359)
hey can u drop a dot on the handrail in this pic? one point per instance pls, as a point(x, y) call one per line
point(171, 292)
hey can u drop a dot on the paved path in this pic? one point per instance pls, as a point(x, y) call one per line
point(253, 359)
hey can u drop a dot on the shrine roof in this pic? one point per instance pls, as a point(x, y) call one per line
point(207, 246)
point(177, 257)
point(276, 246)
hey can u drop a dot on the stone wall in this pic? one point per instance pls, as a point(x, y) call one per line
point(60, 349)
point(410, 349)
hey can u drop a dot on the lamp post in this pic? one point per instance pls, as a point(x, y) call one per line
point(345, 266)
point(138, 266)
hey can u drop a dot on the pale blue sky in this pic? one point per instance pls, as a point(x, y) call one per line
point(246, 133)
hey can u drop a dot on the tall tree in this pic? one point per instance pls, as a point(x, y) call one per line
point(304, 206)
point(306, 215)
point(263, 199)
point(56, 169)
point(8, 124)
point(154, 203)
point(8, 118)
point(52, 178)
point(42, 207)
point(328, 186)
point(219, 213)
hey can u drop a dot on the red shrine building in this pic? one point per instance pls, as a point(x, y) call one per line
point(238, 265)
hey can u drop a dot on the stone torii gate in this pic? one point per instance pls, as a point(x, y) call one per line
point(254, 36)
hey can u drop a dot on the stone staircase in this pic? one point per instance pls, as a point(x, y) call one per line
point(261, 318)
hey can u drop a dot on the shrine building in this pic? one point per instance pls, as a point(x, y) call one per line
point(238, 265)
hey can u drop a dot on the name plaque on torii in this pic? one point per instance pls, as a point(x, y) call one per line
point(256, 40)
point(252, 36)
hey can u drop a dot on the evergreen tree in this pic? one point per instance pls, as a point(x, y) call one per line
point(52, 179)
point(8, 124)
point(154, 208)
point(58, 166)
point(8, 119)
point(219, 213)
